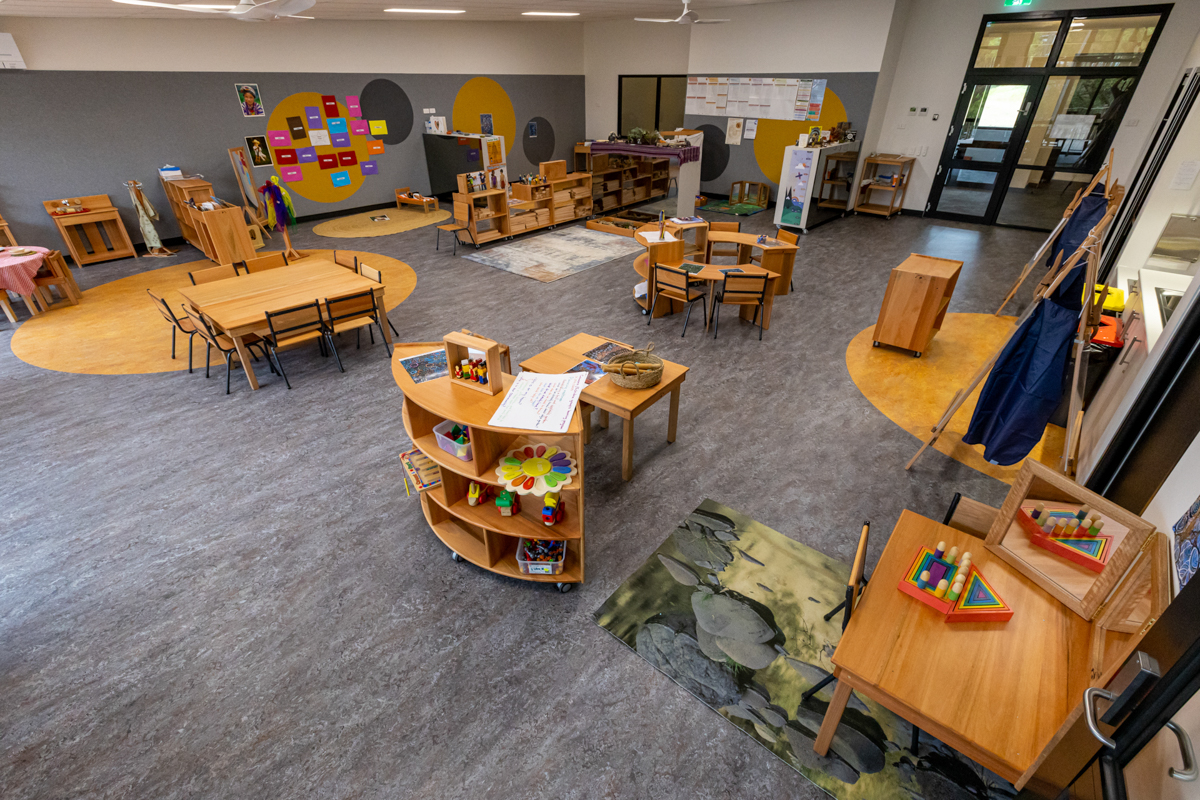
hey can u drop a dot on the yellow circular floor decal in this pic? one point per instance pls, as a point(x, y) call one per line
point(775, 134)
point(117, 330)
point(480, 96)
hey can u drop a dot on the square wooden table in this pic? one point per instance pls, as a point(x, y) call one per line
point(998, 692)
point(607, 396)
point(239, 306)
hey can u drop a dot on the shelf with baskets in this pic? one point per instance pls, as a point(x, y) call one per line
point(481, 533)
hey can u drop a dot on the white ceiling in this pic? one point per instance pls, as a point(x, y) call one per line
point(373, 9)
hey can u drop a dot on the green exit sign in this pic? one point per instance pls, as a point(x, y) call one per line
point(1018, 2)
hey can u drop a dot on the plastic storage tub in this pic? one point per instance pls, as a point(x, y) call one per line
point(539, 567)
point(442, 432)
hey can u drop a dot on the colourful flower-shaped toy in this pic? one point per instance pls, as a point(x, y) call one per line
point(536, 469)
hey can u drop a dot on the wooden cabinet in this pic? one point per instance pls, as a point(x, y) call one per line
point(96, 234)
point(483, 214)
point(622, 180)
point(221, 234)
point(891, 185)
point(914, 305)
point(479, 533)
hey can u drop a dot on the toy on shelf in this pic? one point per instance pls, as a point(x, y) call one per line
point(553, 509)
point(421, 470)
point(536, 469)
point(475, 360)
point(472, 369)
point(1070, 531)
point(478, 493)
point(954, 586)
point(541, 556)
point(508, 503)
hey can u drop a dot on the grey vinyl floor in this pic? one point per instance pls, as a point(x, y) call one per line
point(221, 596)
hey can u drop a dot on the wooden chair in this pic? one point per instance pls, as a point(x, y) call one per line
point(452, 228)
point(783, 236)
point(184, 325)
point(373, 274)
point(742, 290)
point(7, 306)
point(675, 284)
point(55, 273)
point(970, 516)
point(347, 261)
point(223, 343)
point(353, 312)
point(8, 239)
point(211, 274)
point(263, 263)
point(294, 326)
point(718, 252)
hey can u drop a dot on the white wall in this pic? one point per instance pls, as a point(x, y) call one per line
point(883, 86)
point(938, 40)
point(611, 49)
point(204, 45)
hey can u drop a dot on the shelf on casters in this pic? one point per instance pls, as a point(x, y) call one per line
point(485, 515)
point(429, 446)
point(472, 549)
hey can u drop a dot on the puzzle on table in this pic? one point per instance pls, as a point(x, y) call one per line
point(1072, 532)
point(954, 586)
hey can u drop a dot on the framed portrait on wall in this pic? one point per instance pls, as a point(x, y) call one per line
point(260, 154)
point(251, 100)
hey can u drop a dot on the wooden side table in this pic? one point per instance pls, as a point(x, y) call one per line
point(896, 188)
point(918, 293)
point(85, 233)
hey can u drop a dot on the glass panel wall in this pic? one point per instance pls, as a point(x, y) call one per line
point(1107, 41)
point(1016, 44)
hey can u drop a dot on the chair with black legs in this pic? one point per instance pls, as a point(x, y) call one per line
point(355, 312)
point(970, 516)
point(344, 259)
point(223, 343)
point(265, 262)
point(182, 325)
point(715, 250)
point(294, 326)
point(674, 283)
point(742, 290)
point(373, 274)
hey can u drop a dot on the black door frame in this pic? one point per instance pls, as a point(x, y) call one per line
point(985, 75)
point(657, 97)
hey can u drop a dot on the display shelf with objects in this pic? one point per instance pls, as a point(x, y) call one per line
point(834, 181)
point(220, 231)
point(802, 184)
point(683, 164)
point(893, 184)
point(623, 180)
point(552, 197)
point(483, 214)
point(468, 521)
point(91, 228)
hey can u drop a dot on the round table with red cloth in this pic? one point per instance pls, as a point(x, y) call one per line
point(16, 272)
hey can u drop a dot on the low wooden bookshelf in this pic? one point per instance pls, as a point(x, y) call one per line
point(834, 180)
point(221, 234)
point(895, 189)
point(620, 181)
point(479, 534)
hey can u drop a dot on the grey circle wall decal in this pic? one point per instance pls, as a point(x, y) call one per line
point(538, 140)
point(385, 100)
point(714, 158)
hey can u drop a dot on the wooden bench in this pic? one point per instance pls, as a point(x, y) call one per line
point(403, 199)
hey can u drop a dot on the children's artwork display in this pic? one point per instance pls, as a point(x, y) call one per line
point(251, 100)
point(485, 124)
point(593, 369)
point(798, 165)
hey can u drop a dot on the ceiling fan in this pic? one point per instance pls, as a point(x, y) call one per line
point(686, 18)
point(247, 10)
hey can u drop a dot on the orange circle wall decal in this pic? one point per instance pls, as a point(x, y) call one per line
point(776, 134)
point(480, 96)
point(317, 177)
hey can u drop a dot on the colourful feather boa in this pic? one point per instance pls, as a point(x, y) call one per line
point(280, 212)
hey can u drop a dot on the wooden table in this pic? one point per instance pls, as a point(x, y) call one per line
point(100, 216)
point(607, 396)
point(996, 692)
point(777, 256)
point(712, 275)
point(238, 305)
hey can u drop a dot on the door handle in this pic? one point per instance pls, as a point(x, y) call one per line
point(1189, 771)
point(1089, 713)
point(1128, 349)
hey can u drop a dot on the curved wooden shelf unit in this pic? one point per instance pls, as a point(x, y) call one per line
point(479, 533)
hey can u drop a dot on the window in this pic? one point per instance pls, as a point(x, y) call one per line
point(1107, 41)
point(651, 102)
point(1016, 44)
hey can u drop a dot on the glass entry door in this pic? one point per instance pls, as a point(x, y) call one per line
point(982, 146)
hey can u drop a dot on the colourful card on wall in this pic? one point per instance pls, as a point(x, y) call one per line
point(313, 115)
point(485, 123)
point(352, 107)
point(327, 162)
point(318, 138)
point(279, 138)
point(330, 104)
point(290, 174)
point(472, 154)
point(306, 155)
point(369, 168)
point(379, 127)
point(337, 125)
point(285, 156)
point(346, 158)
point(340, 178)
point(341, 140)
point(296, 128)
point(374, 148)
point(359, 127)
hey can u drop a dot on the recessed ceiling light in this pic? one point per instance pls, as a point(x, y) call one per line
point(549, 13)
point(424, 11)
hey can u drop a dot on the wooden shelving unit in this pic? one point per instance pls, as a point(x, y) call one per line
point(620, 181)
point(895, 189)
point(221, 234)
point(566, 197)
point(914, 305)
point(480, 534)
point(833, 180)
point(483, 214)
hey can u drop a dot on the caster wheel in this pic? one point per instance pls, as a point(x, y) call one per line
point(874, 344)
point(455, 556)
point(564, 587)
point(916, 355)
point(645, 312)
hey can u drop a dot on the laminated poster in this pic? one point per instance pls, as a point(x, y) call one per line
point(338, 125)
point(379, 127)
point(318, 138)
point(340, 178)
point(369, 168)
point(733, 130)
point(260, 154)
point(341, 139)
point(352, 107)
point(751, 129)
point(485, 124)
point(279, 138)
point(359, 127)
point(306, 155)
point(374, 148)
point(296, 128)
point(251, 100)
point(532, 129)
point(291, 174)
point(540, 402)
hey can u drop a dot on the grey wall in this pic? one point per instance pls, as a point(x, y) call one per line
point(855, 89)
point(67, 134)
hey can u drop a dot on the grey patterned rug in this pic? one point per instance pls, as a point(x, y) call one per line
point(556, 254)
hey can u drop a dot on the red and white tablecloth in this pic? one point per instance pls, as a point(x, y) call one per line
point(16, 272)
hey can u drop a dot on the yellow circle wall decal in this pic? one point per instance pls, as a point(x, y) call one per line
point(485, 96)
point(776, 134)
point(317, 183)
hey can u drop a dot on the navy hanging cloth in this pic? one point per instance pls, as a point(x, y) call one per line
point(1028, 380)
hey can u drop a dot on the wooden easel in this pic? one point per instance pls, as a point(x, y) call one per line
point(254, 216)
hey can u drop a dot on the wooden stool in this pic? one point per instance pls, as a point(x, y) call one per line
point(403, 200)
point(55, 273)
point(452, 228)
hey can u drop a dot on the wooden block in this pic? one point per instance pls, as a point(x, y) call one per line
point(978, 602)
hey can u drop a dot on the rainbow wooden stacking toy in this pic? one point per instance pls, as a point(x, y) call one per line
point(1071, 532)
point(954, 586)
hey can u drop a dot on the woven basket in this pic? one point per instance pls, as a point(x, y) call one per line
point(646, 379)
